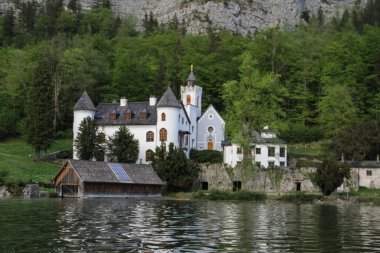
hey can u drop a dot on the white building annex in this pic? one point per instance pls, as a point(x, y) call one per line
point(267, 151)
point(168, 120)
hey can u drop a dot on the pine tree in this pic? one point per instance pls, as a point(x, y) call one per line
point(8, 27)
point(39, 107)
point(174, 168)
point(122, 147)
point(88, 142)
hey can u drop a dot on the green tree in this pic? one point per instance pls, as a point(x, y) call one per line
point(336, 109)
point(39, 106)
point(122, 147)
point(330, 175)
point(88, 142)
point(252, 102)
point(174, 168)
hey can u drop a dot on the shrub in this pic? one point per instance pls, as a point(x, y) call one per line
point(206, 156)
point(299, 133)
point(226, 195)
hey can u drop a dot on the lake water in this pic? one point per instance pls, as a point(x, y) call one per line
point(119, 225)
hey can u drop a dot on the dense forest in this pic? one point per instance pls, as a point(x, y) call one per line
point(326, 73)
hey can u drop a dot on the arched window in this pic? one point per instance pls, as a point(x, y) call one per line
point(210, 145)
point(188, 99)
point(163, 134)
point(163, 116)
point(148, 155)
point(149, 136)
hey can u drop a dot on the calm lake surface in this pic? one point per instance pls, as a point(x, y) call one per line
point(119, 225)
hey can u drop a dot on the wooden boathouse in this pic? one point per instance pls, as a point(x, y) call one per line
point(79, 178)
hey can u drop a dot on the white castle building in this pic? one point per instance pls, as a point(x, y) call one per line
point(178, 121)
point(168, 120)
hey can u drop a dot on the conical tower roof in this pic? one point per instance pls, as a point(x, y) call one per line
point(191, 77)
point(168, 99)
point(84, 103)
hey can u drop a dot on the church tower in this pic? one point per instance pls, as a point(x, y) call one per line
point(191, 96)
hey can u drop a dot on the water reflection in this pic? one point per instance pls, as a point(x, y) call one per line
point(119, 225)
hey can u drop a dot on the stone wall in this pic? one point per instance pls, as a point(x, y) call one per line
point(238, 16)
point(274, 181)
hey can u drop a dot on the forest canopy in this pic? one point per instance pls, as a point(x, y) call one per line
point(327, 71)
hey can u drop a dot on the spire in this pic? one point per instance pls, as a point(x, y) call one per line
point(191, 79)
point(84, 103)
point(168, 99)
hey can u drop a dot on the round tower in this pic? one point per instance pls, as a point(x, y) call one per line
point(168, 118)
point(83, 108)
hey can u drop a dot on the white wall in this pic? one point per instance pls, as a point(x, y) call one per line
point(264, 158)
point(230, 155)
point(139, 132)
point(369, 181)
point(79, 116)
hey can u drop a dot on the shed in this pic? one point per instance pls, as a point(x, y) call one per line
point(79, 178)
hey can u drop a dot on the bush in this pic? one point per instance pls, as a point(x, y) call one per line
point(206, 156)
point(299, 197)
point(226, 195)
point(299, 133)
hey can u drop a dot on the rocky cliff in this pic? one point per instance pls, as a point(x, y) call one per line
point(238, 16)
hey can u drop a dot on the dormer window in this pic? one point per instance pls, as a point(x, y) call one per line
point(128, 116)
point(143, 115)
point(113, 116)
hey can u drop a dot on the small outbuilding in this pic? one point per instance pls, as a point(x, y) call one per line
point(79, 178)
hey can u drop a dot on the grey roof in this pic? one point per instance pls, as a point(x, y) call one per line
point(93, 171)
point(104, 110)
point(364, 164)
point(84, 103)
point(168, 99)
point(191, 77)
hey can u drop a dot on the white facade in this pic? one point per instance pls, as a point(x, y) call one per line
point(267, 152)
point(210, 130)
point(79, 115)
point(179, 118)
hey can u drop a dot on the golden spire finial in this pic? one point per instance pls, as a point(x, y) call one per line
point(191, 68)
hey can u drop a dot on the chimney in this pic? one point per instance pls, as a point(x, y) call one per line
point(123, 101)
point(152, 101)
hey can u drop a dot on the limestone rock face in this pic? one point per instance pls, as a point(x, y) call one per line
point(237, 16)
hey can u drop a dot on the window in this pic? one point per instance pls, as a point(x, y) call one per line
point(113, 116)
point(258, 164)
point(128, 116)
point(239, 150)
point(282, 164)
point(163, 134)
point(183, 120)
point(192, 129)
point(210, 116)
point(148, 155)
point(258, 151)
point(210, 129)
point(282, 152)
point(149, 136)
point(163, 117)
point(143, 115)
point(188, 100)
point(369, 172)
point(271, 151)
point(271, 164)
point(205, 186)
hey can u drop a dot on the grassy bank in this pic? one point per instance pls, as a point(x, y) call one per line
point(17, 164)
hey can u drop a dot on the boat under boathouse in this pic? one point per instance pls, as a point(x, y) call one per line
point(80, 178)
